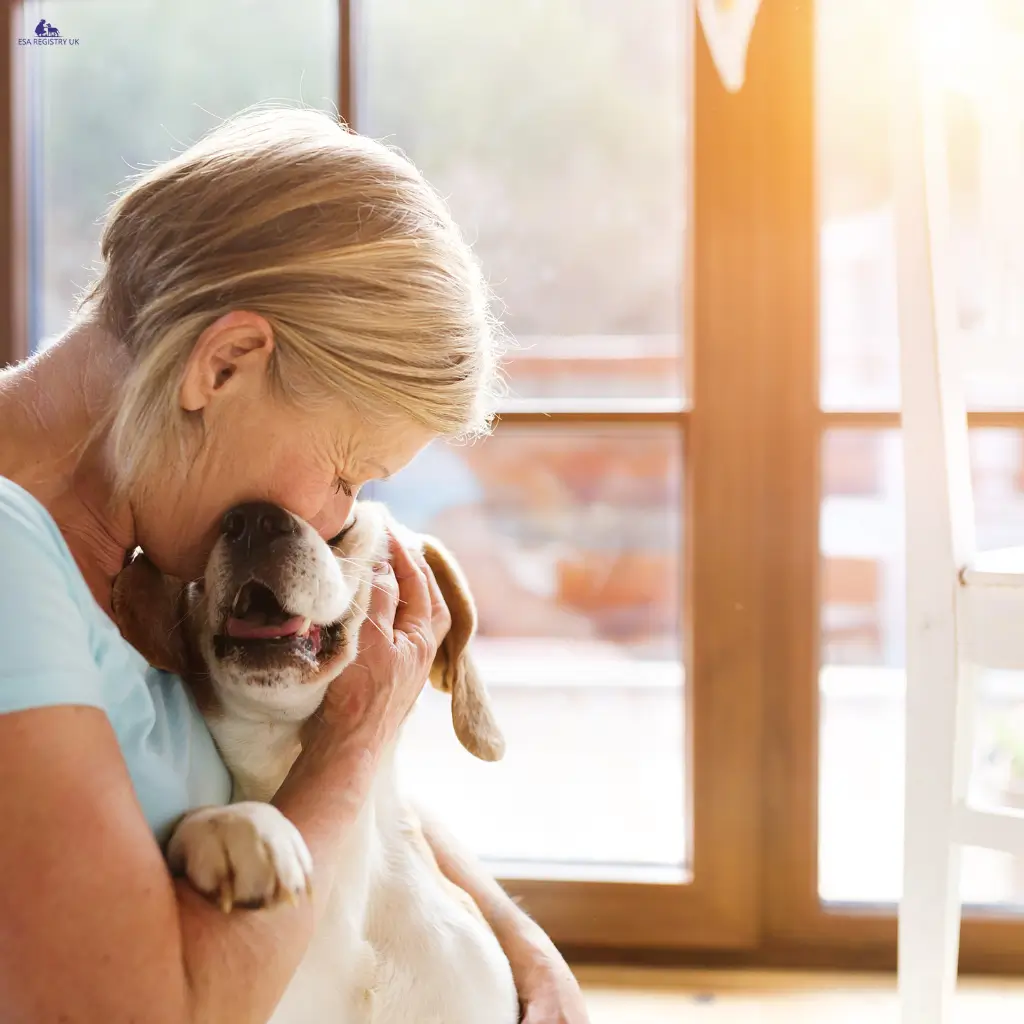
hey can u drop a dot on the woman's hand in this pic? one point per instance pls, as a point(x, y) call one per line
point(552, 996)
point(548, 992)
point(405, 624)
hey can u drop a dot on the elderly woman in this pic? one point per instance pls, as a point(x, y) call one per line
point(284, 312)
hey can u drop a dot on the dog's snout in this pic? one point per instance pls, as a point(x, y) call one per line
point(257, 522)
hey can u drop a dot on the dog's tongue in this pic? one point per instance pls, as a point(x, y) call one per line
point(244, 629)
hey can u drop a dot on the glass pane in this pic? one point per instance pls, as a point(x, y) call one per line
point(571, 541)
point(145, 79)
point(558, 131)
point(979, 48)
point(863, 657)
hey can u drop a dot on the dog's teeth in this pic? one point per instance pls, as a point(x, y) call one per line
point(307, 625)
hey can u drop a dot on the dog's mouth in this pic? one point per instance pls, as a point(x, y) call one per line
point(256, 614)
point(258, 626)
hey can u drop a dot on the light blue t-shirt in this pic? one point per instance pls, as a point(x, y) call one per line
point(58, 647)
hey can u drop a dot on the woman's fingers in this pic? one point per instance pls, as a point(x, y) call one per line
point(384, 598)
point(406, 619)
point(414, 598)
point(440, 616)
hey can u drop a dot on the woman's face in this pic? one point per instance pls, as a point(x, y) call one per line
point(259, 448)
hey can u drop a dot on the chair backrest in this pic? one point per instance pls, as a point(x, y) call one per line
point(939, 504)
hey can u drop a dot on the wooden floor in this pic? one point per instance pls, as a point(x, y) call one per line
point(637, 996)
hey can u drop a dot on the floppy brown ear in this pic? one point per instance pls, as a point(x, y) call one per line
point(453, 670)
point(148, 609)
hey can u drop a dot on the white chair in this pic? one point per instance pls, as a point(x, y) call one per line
point(963, 609)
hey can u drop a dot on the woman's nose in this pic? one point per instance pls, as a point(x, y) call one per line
point(331, 519)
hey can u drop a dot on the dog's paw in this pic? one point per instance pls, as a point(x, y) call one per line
point(242, 855)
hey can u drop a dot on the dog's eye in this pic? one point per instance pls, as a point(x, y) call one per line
point(335, 541)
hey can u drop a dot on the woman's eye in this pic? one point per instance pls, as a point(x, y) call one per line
point(343, 487)
point(335, 541)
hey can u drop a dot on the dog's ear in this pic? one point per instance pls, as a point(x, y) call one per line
point(148, 609)
point(453, 671)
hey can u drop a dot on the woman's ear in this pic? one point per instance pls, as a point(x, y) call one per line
point(236, 347)
point(453, 671)
point(149, 610)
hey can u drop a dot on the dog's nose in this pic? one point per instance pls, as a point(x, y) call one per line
point(256, 522)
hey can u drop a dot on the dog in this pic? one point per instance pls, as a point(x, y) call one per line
point(259, 639)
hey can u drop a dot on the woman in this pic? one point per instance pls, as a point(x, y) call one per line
point(284, 312)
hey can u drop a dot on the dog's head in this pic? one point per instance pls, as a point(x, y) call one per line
point(278, 613)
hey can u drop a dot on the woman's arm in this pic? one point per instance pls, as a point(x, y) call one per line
point(92, 927)
point(547, 989)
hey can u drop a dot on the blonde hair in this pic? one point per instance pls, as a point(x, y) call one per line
point(371, 292)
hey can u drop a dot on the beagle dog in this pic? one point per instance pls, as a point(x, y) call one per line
point(275, 619)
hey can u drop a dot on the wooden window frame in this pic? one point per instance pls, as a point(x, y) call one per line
point(752, 437)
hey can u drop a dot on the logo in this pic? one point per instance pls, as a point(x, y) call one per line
point(47, 35)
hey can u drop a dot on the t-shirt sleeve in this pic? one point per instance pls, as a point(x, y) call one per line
point(46, 651)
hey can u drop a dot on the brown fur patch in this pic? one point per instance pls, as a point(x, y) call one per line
point(151, 610)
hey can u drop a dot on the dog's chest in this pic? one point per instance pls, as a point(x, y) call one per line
point(397, 944)
point(436, 960)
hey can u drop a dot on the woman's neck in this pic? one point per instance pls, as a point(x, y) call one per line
point(52, 408)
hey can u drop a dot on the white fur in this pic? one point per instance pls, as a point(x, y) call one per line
point(395, 945)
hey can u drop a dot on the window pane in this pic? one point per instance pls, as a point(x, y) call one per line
point(981, 55)
point(558, 132)
point(863, 657)
point(146, 79)
point(570, 540)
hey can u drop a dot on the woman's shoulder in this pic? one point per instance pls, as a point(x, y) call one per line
point(27, 530)
point(46, 625)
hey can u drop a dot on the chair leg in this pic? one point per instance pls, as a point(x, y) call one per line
point(929, 927)
point(939, 738)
